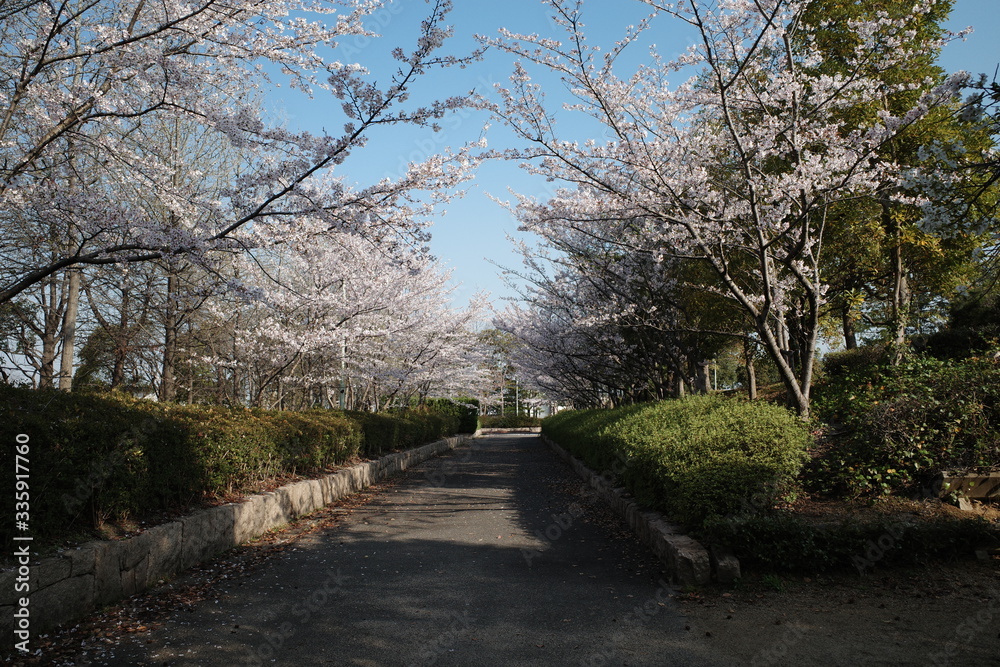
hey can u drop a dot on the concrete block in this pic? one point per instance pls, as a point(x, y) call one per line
point(81, 560)
point(133, 551)
point(107, 573)
point(692, 566)
point(206, 533)
point(62, 601)
point(49, 571)
point(982, 486)
point(336, 486)
point(248, 519)
point(725, 565)
point(129, 584)
point(300, 497)
point(276, 509)
point(164, 552)
point(133, 561)
point(316, 494)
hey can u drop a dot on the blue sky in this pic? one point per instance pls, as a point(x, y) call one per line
point(472, 235)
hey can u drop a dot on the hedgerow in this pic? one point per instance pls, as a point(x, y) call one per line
point(782, 541)
point(508, 421)
point(692, 459)
point(96, 458)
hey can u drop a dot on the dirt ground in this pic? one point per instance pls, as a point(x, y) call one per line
point(943, 614)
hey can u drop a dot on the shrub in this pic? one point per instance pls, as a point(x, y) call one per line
point(905, 424)
point(96, 458)
point(784, 542)
point(694, 458)
point(974, 328)
point(508, 421)
point(861, 359)
point(465, 409)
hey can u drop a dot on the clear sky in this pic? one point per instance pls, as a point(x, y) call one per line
point(472, 235)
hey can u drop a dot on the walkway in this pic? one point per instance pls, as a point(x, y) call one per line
point(492, 555)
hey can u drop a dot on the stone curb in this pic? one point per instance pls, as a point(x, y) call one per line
point(77, 581)
point(687, 561)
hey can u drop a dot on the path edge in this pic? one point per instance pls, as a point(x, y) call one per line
point(687, 561)
point(75, 582)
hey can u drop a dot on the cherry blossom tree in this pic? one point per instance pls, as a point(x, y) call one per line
point(80, 79)
point(606, 322)
point(736, 167)
point(335, 319)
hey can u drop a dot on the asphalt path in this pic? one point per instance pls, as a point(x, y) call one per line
point(494, 554)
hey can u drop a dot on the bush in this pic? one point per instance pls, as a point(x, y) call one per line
point(861, 359)
point(974, 328)
point(97, 458)
point(508, 421)
point(401, 429)
point(904, 424)
point(787, 543)
point(465, 409)
point(694, 458)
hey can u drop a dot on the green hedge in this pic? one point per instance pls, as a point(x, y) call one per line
point(695, 458)
point(787, 543)
point(95, 458)
point(508, 421)
point(465, 409)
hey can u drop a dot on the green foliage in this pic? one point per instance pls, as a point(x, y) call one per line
point(973, 328)
point(96, 458)
point(508, 421)
point(780, 541)
point(861, 359)
point(904, 424)
point(694, 458)
point(401, 429)
point(466, 409)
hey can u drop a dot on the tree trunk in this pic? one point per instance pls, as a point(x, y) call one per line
point(751, 370)
point(705, 377)
point(69, 331)
point(900, 304)
point(121, 340)
point(49, 337)
point(850, 333)
point(168, 382)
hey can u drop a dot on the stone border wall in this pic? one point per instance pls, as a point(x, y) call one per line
point(687, 561)
point(77, 581)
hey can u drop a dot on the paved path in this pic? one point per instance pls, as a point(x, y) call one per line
point(491, 555)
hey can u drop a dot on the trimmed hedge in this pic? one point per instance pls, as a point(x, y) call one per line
point(782, 542)
point(95, 458)
point(508, 421)
point(465, 409)
point(694, 458)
